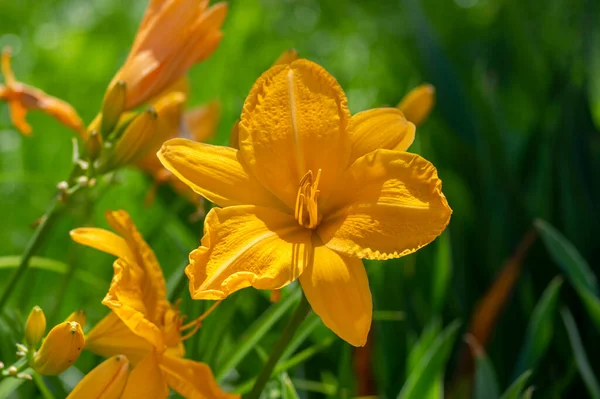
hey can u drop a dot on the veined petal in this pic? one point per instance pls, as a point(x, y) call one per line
point(337, 289)
point(377, 128)
point(110, 337)
point(247, 246)
point(102, 240)
point(294, 120)
point(146, 380)
point(105, 381)
point(193, 380)
point(388, 204)
point(417, 104)
point(214, 172)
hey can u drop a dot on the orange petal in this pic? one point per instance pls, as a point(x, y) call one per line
point(105, 381)
point(192, 379)
point(9, 77)
point(247, 246)
point(294, 120)
point(214, 172)
point(377, 128)
point(146, 381)
point(337, 289)
point(388, 204)
point(17, 117)
point(418, 103)
point(102, 240)
point(110, 337)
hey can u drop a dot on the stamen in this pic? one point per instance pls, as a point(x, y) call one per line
point(197, 323)
point(306, 210)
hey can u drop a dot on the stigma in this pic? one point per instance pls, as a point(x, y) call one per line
point(306, 211)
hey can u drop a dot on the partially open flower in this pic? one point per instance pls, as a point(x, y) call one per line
point(173, 36)
point(106, 381)
point(22, 98)
point(35, 327)
point(60, 349)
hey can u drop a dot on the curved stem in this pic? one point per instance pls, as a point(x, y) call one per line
point(30, 250)
point(284, 339)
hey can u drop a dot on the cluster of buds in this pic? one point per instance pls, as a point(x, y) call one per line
point(59, 349)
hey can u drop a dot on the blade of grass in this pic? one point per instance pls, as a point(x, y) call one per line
point(430, 365)
point(581, 358)
point(540, 329)
point(486, 384)
point(514, 391)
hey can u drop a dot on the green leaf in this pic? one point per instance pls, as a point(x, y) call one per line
point(514, 391)
point(567, 257)
point(257, 331)
point(37, 262)
point(442, 271)
point(486, 384)
point(581, 358)
point(287, 387)
point(419, 349)
point(574, 266)
point(540, 329)
point(431, 364)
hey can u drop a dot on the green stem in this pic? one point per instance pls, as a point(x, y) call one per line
point(39, 381)
point(30, 250)
point(284, 339)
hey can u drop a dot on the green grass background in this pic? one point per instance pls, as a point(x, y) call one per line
point(514, 135)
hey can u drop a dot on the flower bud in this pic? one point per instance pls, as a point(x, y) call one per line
point(35, 327)
point(77, 316)
point(417, 104)
point(287, 57)
point(60, 349)
point(113, 106)
point(107, 380)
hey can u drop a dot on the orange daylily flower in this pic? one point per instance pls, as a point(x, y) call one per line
point(310, 192)
point(143, 324)
point(418, 103)
point(173, 35)
point(22, 98)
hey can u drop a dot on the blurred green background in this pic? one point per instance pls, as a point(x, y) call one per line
point(514, 135)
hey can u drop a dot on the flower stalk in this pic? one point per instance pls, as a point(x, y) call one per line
point(286, 336)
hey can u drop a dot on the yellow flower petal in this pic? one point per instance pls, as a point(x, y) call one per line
point(192, 379)
point(126, 298)
point(105, 381)
point(60, 349)
point(377, 128)
point(146, 381)
point(417, 104)
point(338, 291)
point(294, 120)
point(388, 204)
point(17, 116)
point(247, 246)
point(110, 337)
point(234, 135)
point(78, 316)
point(102, 240)
point(35, 327)
point(152, 285)
point(201, 122)
point(214, 172)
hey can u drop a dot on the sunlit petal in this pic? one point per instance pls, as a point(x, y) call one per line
point(387, 204)
point(102, 240)
point(377, 128)
point(337, 289)
point(247, 246)
point(214, 172)
point(294, 120)
point(105, 381)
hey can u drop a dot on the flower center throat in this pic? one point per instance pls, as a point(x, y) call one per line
point(306, 211)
